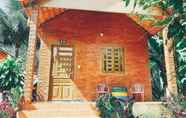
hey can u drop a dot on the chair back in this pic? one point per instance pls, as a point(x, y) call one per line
point(138, 92)
point(102, 88)
point(120, 92)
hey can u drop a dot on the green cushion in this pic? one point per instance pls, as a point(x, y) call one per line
point(119, 89)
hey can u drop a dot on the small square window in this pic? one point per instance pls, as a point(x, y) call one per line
point(112, 59)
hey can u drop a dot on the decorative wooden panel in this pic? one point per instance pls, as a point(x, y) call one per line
point(62, 73)
point(63, 62)
point(67, 92)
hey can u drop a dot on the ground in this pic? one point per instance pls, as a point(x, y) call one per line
point(84, 109)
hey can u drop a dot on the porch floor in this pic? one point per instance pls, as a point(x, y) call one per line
point(60, 110)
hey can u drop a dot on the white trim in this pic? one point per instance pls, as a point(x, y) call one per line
point(117, 6)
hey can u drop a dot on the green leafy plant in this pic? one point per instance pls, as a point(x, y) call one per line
point(4, 114)
point(157, 68)
point(111, 107)
point(14, 29)
point(174, 10)
point(104, 106)
point(174, 22)
point(177, 105)
point(180, 58)
point(15, 97)
point(11, 74)
point(156, 61)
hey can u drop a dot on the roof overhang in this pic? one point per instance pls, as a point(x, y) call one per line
point(50, 8)
point(117, 6)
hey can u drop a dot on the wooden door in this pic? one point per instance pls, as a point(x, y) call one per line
point(62, 73)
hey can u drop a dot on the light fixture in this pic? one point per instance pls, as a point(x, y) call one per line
point(79, 66)
point(101, 34)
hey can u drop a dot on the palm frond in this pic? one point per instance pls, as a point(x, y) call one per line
point(156, 63)
point(13, 6)
point(14, 30)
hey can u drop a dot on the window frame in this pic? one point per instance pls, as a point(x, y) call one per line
point(103, 50)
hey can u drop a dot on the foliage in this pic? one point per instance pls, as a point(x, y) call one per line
point(4, 114)
point(110, 107)
point(15, 97)
point(13, 22)
point(6, 111)
point(175, 10)
point(180, 57)
point(11, 81)
point(11, 74)
point(177, 105)
point(182, 102)
point(157, 68)
point(104, 106)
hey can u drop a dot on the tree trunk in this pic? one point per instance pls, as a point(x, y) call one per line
point(169, 64)
point(17, 49)
point(31, 51)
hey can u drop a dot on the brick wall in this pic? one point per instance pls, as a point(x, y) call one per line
point(82, 29)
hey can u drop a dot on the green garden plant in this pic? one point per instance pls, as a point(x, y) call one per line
point(175, 24)
point(157, 67)
point(180, 58)
point(13, 23)
point(11, 74)
point(176, 105)
point(11, 82)
point(111, 107)
point(15, 97)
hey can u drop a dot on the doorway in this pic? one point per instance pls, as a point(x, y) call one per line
point(61, 86)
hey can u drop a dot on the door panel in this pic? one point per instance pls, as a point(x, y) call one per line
point(67, 92)
point(62, 73)
point(56, 92)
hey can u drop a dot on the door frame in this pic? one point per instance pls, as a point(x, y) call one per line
point(50, 90)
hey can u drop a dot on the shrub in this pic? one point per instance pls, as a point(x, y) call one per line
point(15, 97)
point(11, 81)
point(176, 104)
point(111, 107)
point(11, 74)
point(6, 111)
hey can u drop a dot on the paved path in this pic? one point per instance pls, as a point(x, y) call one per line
point(60, 110)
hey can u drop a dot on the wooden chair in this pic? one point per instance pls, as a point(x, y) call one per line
point(102, 88)
point(138, 92)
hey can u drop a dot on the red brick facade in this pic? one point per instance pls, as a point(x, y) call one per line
point(82, 29)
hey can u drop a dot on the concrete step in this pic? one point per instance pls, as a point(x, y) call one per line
point(57, 114)
point(60, 110)
point(64, 105)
